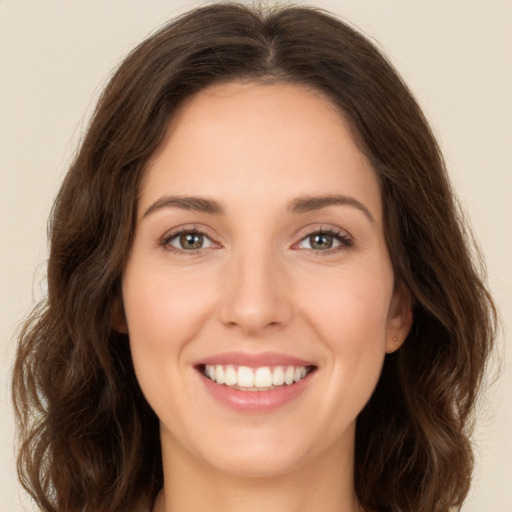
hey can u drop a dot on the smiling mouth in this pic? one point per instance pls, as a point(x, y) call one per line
point(262, 378)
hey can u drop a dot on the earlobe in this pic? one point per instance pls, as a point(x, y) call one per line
point(399, 320)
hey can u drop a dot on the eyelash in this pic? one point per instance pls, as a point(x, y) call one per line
point(345, 241)
point(166, 240)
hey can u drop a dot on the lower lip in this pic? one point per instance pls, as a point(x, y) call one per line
point(255, 401)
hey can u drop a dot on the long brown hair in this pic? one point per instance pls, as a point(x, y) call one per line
point(89, 440)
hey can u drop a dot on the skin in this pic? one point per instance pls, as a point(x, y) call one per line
point(258, 285)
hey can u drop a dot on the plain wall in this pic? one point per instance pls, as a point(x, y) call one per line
point(55, 56)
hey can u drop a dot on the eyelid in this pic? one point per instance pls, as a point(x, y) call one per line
point(187, 229)
point(346, 241)
point(344, 238)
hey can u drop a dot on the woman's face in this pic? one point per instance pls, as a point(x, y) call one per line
point(259, 256)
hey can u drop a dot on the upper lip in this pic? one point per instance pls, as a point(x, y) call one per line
point(254, 360)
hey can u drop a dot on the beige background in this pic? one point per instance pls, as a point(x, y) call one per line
point(55, 55)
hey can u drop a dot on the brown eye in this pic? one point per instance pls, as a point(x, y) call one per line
point(188, 241)
point(321, 241)
point(191, 241)
point(326, 240)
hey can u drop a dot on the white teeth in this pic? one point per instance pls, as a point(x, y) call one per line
point(230, 376)
point(219, 374)
point(245, 377)
point(253, 379)
point(263, 378)
point(278, 376)
point(289, 374)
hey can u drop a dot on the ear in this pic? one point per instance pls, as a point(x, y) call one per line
point(399, 318)
point(119, 323)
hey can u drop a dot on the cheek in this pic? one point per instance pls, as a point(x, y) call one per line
point(351, 307)
point(353, 329)
point(160, 307)
point(349, 316)
point(159, 316)
point(165, 310)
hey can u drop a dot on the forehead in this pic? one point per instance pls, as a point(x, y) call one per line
point(251, 141)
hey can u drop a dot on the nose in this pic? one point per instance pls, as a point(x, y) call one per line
point(257, 295)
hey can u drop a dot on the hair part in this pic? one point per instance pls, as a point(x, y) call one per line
point(89, 440)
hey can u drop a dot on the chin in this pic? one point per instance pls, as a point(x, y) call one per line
point(251, 452)
point(258, 465)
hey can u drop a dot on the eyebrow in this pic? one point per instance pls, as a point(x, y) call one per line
point(197, 204)
point(299, 205)
point(312, 203)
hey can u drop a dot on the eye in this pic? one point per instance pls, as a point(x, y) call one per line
point(191, 240)
point(324, 240)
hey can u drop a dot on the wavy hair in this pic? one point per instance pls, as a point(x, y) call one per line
point(88, 439)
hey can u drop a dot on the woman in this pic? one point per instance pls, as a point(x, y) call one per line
point(260, 292)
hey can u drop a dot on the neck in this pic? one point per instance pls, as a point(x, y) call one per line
point(325, 484)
